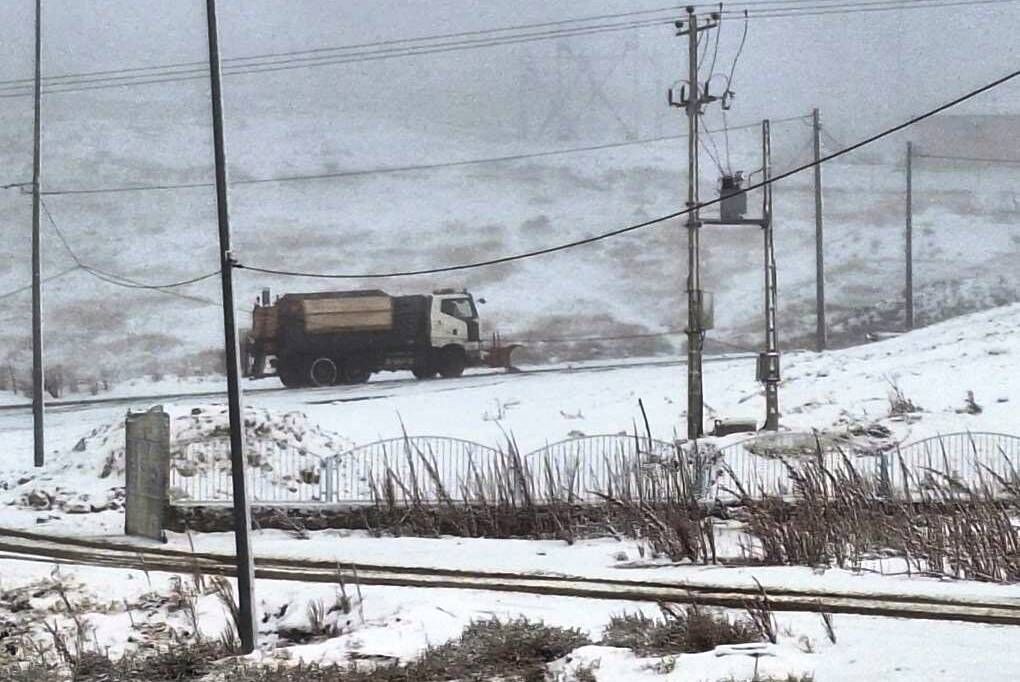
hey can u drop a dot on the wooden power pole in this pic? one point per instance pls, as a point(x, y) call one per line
point(695, 295)
point(38, 373)
point(242, 508)
point(821, 329)
point(908, 290)
point(770, 358)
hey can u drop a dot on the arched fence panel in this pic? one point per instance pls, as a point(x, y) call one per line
point(956, 461)
point(433, 469)
point(590, 468)
point(414, 468)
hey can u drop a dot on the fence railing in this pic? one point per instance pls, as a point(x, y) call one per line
point(759, 466)
point(964, 459)
point(429, 469)
point(429, 465)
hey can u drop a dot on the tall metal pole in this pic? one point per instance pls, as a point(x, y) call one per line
point(908, 291)
point(242, 509)
point(821, 331)
point(38, 385)
point(695, 336)
point(771, 375)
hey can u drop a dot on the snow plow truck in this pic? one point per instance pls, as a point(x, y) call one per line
point(343, 337)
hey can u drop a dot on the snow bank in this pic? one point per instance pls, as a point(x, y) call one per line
point(89, 477)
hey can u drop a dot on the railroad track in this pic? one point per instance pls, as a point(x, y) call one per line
point(25, 546)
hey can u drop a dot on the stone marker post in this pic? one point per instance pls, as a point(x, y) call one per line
point(147, 472)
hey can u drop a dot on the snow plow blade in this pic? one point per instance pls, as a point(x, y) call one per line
point(499, 354)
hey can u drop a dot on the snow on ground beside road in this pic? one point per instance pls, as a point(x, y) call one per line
point(89, 476)
point(398, 623)
point(935, 367)
point(129, 389)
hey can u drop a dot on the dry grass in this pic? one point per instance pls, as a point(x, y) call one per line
point(516, 497)
point(690, 629)
point(511, 651)
point(939, 525)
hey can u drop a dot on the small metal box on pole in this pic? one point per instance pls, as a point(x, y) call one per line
point(733, 200)
point(706, 310)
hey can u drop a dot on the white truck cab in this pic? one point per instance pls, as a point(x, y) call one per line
point(455, 320)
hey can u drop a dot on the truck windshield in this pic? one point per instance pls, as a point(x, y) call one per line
point(461, 308)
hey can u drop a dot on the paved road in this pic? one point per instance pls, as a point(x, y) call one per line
point(373, 390)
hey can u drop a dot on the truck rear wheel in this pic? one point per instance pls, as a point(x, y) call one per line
point(355, 372)
point(452, 362)
point(323, 372)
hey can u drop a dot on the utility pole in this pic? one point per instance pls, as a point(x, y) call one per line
point(821, 331)
point(695, 333)
point(908, 291)
point(771, 355)
point(242, 509)
point(38, 384)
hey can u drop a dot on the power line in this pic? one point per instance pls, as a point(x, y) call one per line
point(393, 169)
point(828, 10)
point(974, 159)
point(583, 339)
point(740, 51)
point(631, 228)
point(718, 38)
point(354, 46)
point(50, 278)
point(195, 70)
point(622, 337)
point(178, 75)
point(120, 280)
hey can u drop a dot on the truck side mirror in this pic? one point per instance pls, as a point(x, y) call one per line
point(481, 301)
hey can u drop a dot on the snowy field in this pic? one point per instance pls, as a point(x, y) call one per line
point(397, 623)
point(934, 367)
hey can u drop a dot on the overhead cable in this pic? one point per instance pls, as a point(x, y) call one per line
point(647, 223)
point(391, 169)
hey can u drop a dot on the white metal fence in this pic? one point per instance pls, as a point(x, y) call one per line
point(964, 459)
point(430, 469)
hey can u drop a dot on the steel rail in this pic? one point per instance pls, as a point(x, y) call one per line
point(32, 547)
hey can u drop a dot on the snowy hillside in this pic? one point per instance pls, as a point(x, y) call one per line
point(514, 100)
point(838, 391)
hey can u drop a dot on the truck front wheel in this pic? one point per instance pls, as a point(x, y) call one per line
point(322, 372)
point(290, 377)
point(425, 366)
point(423, 371)
point(452, 362)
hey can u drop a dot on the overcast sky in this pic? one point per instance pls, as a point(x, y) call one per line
point(863, 71)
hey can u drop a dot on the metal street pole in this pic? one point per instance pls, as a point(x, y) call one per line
point(821, 331)
point(908, 292)
point(242, 508)
point(38, 384)
point(771, 375)
point(695, 336)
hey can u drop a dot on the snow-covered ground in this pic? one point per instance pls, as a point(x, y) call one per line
point(935, 367)
point(398, 623)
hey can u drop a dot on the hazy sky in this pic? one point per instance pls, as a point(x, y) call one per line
point(862, 71)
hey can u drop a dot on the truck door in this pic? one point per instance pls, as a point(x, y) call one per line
point(454, 320)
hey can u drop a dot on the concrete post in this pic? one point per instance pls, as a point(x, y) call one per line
point(147, 472)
